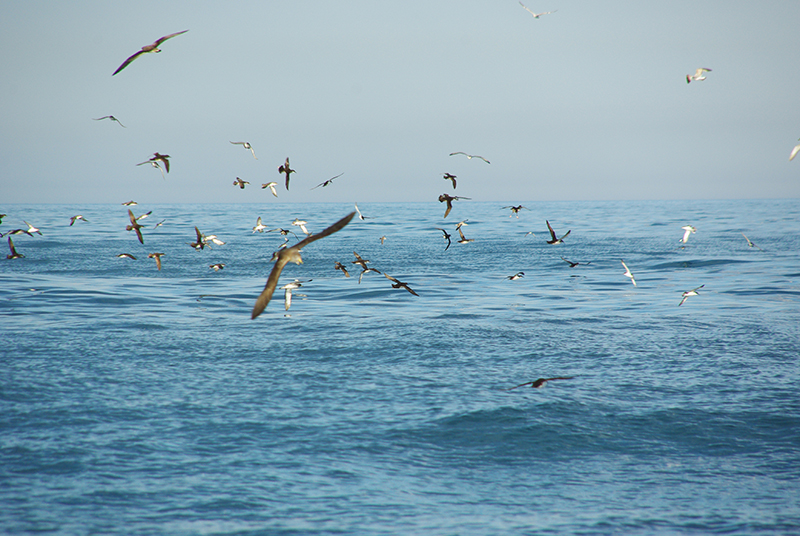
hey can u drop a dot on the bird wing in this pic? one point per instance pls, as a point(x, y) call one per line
point(128, 61)
point(132, 217)
point(520, 385)
point(199, 235)
point(170, 36)
point(566, 235)
point(794, 152)
point(552, 232)
point(139, 234)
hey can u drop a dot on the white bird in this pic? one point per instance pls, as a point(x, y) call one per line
point(288, 288)
point(271, 186)
point(536, 15)
point(470, 156)
point(302, 224)
point(628, 273)
point(259, 228)
point(698, 75)
point(361, 216)
point(688, 293)
point(246, 145)
point(687, 230)
point(31, 228)
point(794, 151)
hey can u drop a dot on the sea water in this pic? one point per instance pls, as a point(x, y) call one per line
point(137, 401)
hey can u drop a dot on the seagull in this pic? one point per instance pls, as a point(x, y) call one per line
point(361, 216)
point(271, 186)
point(687, 230)
point(340, 266)
point(688, 293)
point(200, 243)
point(751, 244)
point(302, 224)
point(31, 228)
point(794, 152)
point(126, 256)
point(288, 288)
point(146, 49)
point(464, 239)
point(516, 276)
point(536, 15)
point(515, 210)
point(259, 228)
point(157, 257)
point(217, 267)
point(110, 117)
point(446, 237)
point(240, 183)
point(134, 226)
point(556, 240)
point(698, 75)
point(574, 264)
point(399, 284)
point(361, 262)
point(129, 203)
point(538, 384)
point(449, 199)
point(13, 254)
point(246, 145)
point(628, 273)
point(451, 178)
point(285, 169)
point(283, 256)
point(470, 156)
point(327, 182)
point(76, 218)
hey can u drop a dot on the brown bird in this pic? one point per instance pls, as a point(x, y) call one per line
point(13, 254)
point(240, 183)
point(327, 182)
point(146, 49)
point(515, 210)
point(449, 199)
point(135, 226)
point(340, 266)
point(111, 117)
point(157, 257)
point(556, 240)
point(538, 384)
point(451, 178)
point(200, 243)
point(399, 284)
point(361, 262)
point(446, 237)
point(291, 254)
point(286, 170)
point(155, 159)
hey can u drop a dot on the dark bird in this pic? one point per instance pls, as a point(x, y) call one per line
point(286, 170)
point(555, 239)
point(156, 158)
point(446, 237)
point(291, 254)
point(217, 267)
point(129, 203)
point(464, 239)
point(399, 284)
point(157, 257)
point(240, 183)
point(135, 226)
point(749, 243)
point(364, 271)
point(16, 232)
point(147, 49)
point(516, 276)
point(340, 266)
point(13, 254)
point(451, 178)
point(515, 210)
point(449, 200)
point(470, 156)
point(688, 293)
point(361, 262)
point(246, 145)
point(126, 256)
point(111, 117)
point(76, 218)
point(574, 264)
point(538, 384)
point(327, 182)
point(200, 243)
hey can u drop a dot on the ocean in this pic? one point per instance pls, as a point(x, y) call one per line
point(135, 401)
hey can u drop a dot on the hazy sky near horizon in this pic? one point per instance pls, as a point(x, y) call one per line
point(588, 103)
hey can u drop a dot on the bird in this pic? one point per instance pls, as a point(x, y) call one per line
point(556, 240)
point(361, 216)
point(2, 216)
point(340, 266)
point(31, 228)
point(459, 224)
point(212, 238)
point(259, 228)
point(147, 49)
point(327, 182)
point(291, 254)
point(361, 262)
point(240, 183)
point(574, 264)
point(399, 284)
point(628, 272)
point(155, 159)
point(155, 165)
point(698, 75)
point(76, 218)
point(13, 254)
point(518, 275)
point(157, 257)
point(794, 152)
point(271, 186)
point(126, 256)
point(134, 226)
point(287, 291)
point(538, 384)
point(449, 199)
point(302, 224)
point(451, 178)
point(286, 170)
point(382, 239)
point(470, 156)
point(446, 237)
point(16, 232)
point(464, 239)
point(364, 271)
point(129, 203)
point(143, 216)
point(200, 243)
point(536, 15)
point(750, 243)
point(688, 293)
point(515, 210)
point(111, 117)
point(217, 267)
point(159, 224)
point(687, 230)
point(246, 145)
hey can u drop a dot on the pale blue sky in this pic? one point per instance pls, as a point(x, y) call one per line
point(590, 102)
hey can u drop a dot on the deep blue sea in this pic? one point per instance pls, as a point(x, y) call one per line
point(142, 402)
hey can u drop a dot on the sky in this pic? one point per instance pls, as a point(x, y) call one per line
point(587, 103)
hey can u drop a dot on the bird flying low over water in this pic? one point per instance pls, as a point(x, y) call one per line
point(271, 186)
point(157, 257)
point(32, 229)
point(518, 275)
point(361, 216)
point(794, 152)
point(246, 145)
point(698, 75)
point(327, 182)
point(536, 15)
point(446, 237)
point(259, 227)
point(302, 224)
point(287, 291)
point(291, 254)
point(464, 239)
point(555, 239)
point(538, 384)
point(396, 283)
point(147, 49)
point(515, 210)
point(13, 254)
point(135, 226)
point(126, 256)
point(449, 199)
point(240, 183)
point(574, 264)
point(217, 267)
point(688, 293)
point(112, 118)
point(450, 177)
point(470, 156)
point(687, 230)
point(286, 170)
point(76, 218)
point(750, 243)
point(200, 243)
point(628, 272)
point(340, 266)
point(361, 262)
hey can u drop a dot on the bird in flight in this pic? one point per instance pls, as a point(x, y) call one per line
point(518, 275)
point(76, 218)
point(515, 210)
point(327, 182)
point(271, 186)
point(240, 183)
point(688, 293)
point(450, 177)
point(126, 256)
point(340, 266)
point(574, 264)
point(217, 267)
point(246, 145)
point(135, 226)
point(470, 156)
point(446, 237)
point(13, 254)
point(399, 284)
point(687, 230)
point(200, 243)
point(749, 242)
point(449, 199)
point(698, 75)
point(32, 229)
point(361, 216)
point(794, 152)
point(110, 117)
point(287, 291)
point(259, 228)
point(291, 254)
point(285, 169)
point(157, 257)
point(556, 240)
point(628, 273)
point(536, 15)
point(156, 158)
point(464, 239)
point(538, 384)
point(147, 49)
